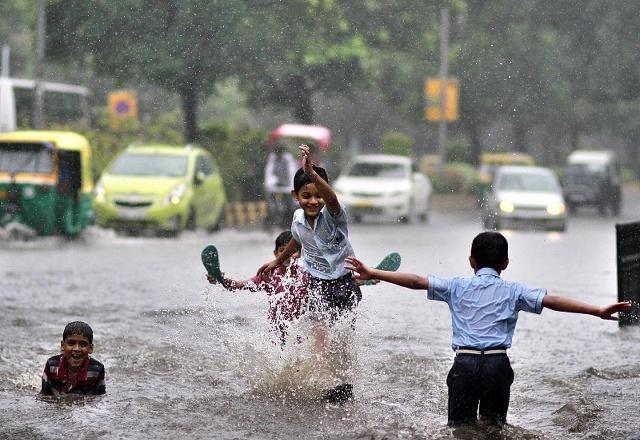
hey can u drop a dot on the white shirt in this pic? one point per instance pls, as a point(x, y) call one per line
point(273, 181)
point(325, 246)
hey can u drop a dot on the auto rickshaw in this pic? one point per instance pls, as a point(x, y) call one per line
point(490, 162)
point(292, 135)
point(46, 183)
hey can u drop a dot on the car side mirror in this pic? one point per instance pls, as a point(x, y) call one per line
point(199, 178)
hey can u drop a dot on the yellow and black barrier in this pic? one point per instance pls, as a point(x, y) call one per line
point(245, 213)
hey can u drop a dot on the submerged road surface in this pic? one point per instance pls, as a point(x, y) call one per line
point(188, 360)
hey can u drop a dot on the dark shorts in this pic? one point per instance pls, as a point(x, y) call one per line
point(479, 382)
point(329, 300)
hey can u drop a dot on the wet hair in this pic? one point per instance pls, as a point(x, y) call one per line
point(301, 178)
point(78, 328)
point(490, 249)
point(283, 238)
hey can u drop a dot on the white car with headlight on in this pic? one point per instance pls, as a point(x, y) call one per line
point(385, 186)
point(525, 196)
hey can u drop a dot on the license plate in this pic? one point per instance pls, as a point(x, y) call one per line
point(363, 205)
point(131, 213)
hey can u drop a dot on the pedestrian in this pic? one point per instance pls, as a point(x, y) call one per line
point(484, 310)
point(285, 287)
point(74, 371)
point(319, 230)
point(278, 175)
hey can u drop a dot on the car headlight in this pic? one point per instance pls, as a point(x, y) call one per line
point(506, 206)
point(175, 195)
point(100, 194)
point(556, 208)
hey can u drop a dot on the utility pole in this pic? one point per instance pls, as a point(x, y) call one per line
point(38, 96)
point(5, 61)
point(444, 72)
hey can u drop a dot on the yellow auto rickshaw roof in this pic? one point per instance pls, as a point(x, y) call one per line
point(506, 158)
point(63, 140)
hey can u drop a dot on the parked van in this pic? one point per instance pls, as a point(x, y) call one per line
point(592, 178)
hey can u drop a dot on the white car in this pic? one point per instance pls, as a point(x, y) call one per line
point(525, 196)
point(385, 186)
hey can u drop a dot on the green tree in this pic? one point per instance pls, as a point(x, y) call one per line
point(184, 46)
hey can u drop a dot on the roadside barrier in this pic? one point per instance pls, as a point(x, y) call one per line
point(245, 213)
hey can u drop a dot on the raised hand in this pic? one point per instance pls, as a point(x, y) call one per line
point(305, 158)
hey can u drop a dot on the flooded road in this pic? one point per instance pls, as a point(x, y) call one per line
point(187, 359)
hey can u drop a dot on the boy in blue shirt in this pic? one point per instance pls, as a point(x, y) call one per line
point(484, 310)
point(319, 230)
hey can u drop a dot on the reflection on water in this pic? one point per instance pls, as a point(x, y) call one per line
point(188, 359)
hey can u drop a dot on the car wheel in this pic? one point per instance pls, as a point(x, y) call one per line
point(191, 220)
point(215, 227)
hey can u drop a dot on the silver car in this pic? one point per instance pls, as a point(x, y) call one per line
point(523, 196)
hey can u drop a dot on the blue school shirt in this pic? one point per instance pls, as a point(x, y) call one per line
point(484, 309)
point(325, 246)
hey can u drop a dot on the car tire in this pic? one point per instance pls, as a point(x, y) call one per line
point(191, 220)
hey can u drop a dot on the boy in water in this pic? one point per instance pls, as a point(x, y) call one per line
point(285, 285)
point(319, 230)
point(74, 371)
point(484, 310)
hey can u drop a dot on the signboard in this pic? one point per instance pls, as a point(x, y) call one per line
point(432, 94)
point(123, 104)
point(628, 256)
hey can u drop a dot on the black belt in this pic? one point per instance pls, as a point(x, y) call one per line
point(343, 277)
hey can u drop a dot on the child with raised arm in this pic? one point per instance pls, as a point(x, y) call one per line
point(484, 310)
point(285, 287)
point(319, 230)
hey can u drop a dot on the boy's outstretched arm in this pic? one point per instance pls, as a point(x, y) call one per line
point(364, 272)
point(328, 195)
point(292, 247)
point(565, 304)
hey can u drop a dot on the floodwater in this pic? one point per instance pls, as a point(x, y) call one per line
point(184, 358)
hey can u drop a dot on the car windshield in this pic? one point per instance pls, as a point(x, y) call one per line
point(374, 169)
point(586, 168)
point(26, 158)
point(527, 182)
point(149, 165)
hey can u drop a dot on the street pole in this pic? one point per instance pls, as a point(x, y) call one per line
point(38, 96)
point(5, 61)
point(444, 72)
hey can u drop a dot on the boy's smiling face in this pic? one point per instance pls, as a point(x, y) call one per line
point(310, 200)
point(76, 348)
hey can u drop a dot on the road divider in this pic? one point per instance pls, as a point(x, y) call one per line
point(245, 213)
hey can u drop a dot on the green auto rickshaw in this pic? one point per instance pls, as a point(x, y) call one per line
point(46, 185)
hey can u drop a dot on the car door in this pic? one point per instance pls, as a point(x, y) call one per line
point(209, 192)
point(421, 189)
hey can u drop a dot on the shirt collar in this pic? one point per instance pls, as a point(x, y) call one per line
point(487, 271)
point(302, 220)
point(63, 370)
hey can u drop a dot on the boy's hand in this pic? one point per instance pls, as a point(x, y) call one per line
point(266, 268)
point(305, 158)
point(211, 279)
point(360, 270)
point(607, 311)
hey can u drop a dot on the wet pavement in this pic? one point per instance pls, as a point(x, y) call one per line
point(187, 359)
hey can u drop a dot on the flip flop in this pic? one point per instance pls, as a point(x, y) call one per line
point(211, 262)
point(389, 263)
